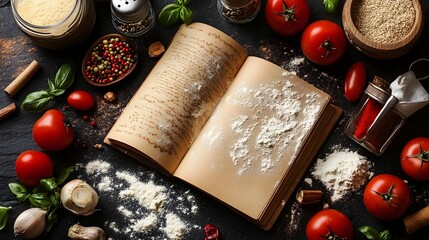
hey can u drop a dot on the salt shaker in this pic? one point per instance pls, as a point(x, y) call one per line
point(239, 11)
point(132, 18)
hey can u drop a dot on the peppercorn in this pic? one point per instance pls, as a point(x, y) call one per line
point(93, 124)
point(104, 65)
point(110, 96)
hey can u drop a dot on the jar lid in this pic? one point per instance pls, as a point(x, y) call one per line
point(236, 3)
point(130, 10)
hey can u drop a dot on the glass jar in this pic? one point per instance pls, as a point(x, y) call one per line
point(76, 25)
point(132, 18)
point(239, 11)
point(375, 121)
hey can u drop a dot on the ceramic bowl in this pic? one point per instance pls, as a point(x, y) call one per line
point(376, 49)
point(99, 81)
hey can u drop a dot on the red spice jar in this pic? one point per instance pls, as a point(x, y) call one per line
point(361, 128)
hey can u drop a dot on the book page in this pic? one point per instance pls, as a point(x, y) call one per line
point(167, 112)
point(248, 145)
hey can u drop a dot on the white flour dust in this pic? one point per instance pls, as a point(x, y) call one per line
point(148, 209)
point(280, 117)
point(342, 171)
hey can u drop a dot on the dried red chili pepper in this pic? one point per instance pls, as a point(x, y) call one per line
point(370, 112)
point(211, 232)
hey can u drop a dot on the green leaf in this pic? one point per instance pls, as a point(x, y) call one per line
point(373, 234)
point(180, 2)
point(64, 77)
point(3, 216)
point(170, 14)
point(186, 15)
point(36, 101)
point(51, 219)
point(55, 198)
point(186, 2)
point(19, 190)
point(40, 200)
point(64, 175)
point(48, 184)
point(331, 6)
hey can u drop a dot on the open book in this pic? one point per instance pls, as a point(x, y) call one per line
point(239, 128)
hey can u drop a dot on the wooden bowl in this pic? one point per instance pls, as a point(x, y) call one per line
point(376, 49)
point(89, 54)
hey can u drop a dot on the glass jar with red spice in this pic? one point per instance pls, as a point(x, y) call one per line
point(375, 121)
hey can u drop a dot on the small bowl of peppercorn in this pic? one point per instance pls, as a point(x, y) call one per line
point(109, 60)
point(383, 29)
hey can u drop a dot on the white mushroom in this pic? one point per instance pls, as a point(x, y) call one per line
point(79, 197)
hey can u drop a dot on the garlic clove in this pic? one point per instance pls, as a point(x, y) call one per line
point(79, 197)
point(30, 223)
point(78, 232)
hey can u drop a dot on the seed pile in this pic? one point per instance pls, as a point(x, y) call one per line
point(384, 21)
point(110, 60)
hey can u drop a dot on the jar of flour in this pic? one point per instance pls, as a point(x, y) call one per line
point(55, 24)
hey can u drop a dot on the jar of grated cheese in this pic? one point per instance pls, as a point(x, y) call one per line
point(54, 24)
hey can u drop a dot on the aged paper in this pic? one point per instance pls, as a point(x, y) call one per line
point(169, 109)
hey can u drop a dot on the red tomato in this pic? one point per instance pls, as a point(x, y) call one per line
point(415, 158)
point(31, 166)
point(387, 197)
point(355, 81)
point(323, 42)
point(287, 17)
point(329, 224)
point(52, 131)
point(81, 100)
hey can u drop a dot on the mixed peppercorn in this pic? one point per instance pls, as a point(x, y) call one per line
point(110, 60)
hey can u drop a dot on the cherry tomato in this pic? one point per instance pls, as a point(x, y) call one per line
point(355, 81)
point(329, 224)
point(415, 158)
point(323, 42)
point(287, 17)
point(81, 100)
point(387, 197)
point(52, 131)
point(31, 166)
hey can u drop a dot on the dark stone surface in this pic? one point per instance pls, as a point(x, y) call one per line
point(17, 51)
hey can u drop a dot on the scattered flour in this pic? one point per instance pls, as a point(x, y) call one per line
point(147, 208)
point(342, 171)
point(280, 117)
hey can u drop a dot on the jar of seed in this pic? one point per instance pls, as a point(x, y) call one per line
point(132, 18)
point(239, 11)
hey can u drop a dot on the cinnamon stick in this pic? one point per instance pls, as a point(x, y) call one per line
point(415, 221)
point(8, 110)
point(306, 197)
point(22, 78)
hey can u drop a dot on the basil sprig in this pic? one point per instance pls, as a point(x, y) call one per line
point(3, 216)
point(38, 101)
point(372, 233)
point(176, 11)
point(331, 6)
point(46, 196)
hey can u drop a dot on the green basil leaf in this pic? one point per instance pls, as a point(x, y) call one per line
point(170, 14)
point(385, 235)
point(51, 220)
point(64, 77)
point(55, 198)
point(56, 92)
point(40, 200)
point(186, 2)
point(3, 216)
point(180, 2)
point(186, 15)
point(370, 232)
point(331, 6)
point(64, 175)
point(19, 191)
point(36, 101)
point(48, 184)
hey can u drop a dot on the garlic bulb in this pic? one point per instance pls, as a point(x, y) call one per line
point(30, 223)
point(79, 197)
point(78, 232)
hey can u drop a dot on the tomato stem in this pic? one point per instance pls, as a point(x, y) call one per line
point(287, 13)
point(388, 196)
point(331, 235)
point(327, 46)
